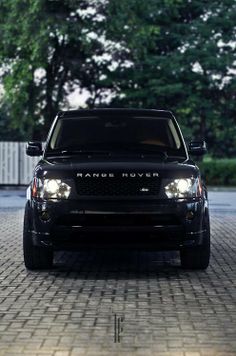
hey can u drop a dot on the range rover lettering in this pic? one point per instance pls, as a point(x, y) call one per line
point(116, 178)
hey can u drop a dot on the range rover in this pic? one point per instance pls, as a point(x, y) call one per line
point(116, 178)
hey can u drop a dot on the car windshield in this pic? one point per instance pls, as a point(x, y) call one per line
point(116, 134)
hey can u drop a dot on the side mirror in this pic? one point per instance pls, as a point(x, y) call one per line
point(197, 148)
point(34, 148)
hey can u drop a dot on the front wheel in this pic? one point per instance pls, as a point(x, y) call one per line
point(197, 257)
point(34, 257)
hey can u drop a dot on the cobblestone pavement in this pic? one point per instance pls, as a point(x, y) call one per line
point(70, 310)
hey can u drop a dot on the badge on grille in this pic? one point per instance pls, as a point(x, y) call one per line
point(144, 189)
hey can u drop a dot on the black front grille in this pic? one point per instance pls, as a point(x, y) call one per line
point(118, 186)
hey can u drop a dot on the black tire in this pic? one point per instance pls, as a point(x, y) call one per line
point(34, 257)
point(197, 257)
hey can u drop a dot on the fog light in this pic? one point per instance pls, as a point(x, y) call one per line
point(45, 216)
point(190, 215)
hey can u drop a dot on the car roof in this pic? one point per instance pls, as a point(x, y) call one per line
point(115, 112)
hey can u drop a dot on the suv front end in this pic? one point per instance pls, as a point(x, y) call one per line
point(119, 199)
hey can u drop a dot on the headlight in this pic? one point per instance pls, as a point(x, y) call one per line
point(50, 189)
point(184, 188)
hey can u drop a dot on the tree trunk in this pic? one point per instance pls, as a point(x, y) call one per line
point(202, 128)
point(49, 111)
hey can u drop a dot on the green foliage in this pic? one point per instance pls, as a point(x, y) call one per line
point(184, 65)
point(219, 172)
point(44, 51)
point(7, 133)
point(167, 54)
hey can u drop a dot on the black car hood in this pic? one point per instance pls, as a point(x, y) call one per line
point(59, 167)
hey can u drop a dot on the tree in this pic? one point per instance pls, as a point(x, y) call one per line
point(45, 52)
point(182, 58)
point(6, 131)
point(170, 54)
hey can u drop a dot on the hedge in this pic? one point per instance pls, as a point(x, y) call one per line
point(219, 172)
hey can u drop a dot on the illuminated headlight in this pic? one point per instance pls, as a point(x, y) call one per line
point(55, 188)
point(50, 189)
point(184, 188)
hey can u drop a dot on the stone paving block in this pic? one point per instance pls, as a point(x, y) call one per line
point(70, 309)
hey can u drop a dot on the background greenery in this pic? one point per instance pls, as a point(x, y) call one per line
point(219, 172)
point(167, 54)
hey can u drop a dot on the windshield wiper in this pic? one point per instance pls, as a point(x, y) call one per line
point(140, 149)
point(145, 150)
point(177, 157)
point(65, 151)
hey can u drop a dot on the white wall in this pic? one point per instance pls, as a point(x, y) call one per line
point(15, 166)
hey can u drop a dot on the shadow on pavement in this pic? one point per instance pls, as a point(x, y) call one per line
point(113, 263)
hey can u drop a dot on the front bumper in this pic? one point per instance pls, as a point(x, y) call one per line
point(163, 224)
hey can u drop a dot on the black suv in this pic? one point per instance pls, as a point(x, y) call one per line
point(116, 178)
